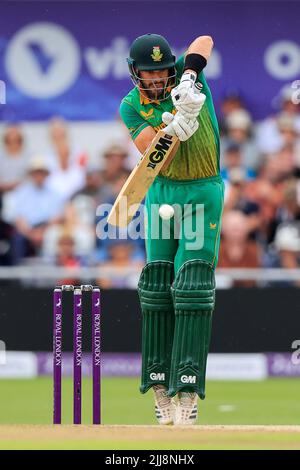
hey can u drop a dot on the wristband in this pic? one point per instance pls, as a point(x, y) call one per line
point(195, 62)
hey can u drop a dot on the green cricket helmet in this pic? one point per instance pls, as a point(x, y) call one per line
point(148, 53)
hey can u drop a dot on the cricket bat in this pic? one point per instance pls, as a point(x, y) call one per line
point(159, 153)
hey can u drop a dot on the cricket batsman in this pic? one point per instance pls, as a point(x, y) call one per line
point(177, 285)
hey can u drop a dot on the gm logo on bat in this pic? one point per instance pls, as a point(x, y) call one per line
point(160, 151)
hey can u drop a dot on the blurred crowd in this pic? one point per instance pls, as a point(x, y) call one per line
point(49, 205)
point(49, 201)
point(260, 164)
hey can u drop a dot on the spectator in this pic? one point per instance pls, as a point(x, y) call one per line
point(13, 159)
point(287, 159)
point(65, 251)
point(83, 205)
point(287, 214)
point(288, 131)
point(92, 183)
point(288, 104)
point(82, 235)
point(31, 208)
point(121, 254)
point(230, 103)
point(269, 137)
point(287, 244)
point(266, 191)
point(114, 162)
point(115, 159)
point(239, 128)
point(82, 212)
point(133, 154)
point(108, 197)
point(236, 249)
point(237, 199)
point(102, 213)
point(233, 163)
point(68, 164)
point(66, 256)
point(117, 184)
point(289, 209)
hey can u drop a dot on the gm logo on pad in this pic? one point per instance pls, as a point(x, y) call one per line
point(188, 379)
point(157, 376)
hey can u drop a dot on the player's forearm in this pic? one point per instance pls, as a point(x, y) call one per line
point(196, 58)
point(202, 45)
point(144, 139)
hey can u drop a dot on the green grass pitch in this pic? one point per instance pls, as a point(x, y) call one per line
point(270, 402)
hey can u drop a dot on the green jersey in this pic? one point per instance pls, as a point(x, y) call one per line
point(196, 158)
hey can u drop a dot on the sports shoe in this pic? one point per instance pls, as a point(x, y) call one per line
point(186, 409)
point(164, 405)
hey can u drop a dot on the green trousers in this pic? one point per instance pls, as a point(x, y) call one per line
point(177, 286)
point(196, 225)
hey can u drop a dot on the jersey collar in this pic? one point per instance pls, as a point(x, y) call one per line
point(144, 100)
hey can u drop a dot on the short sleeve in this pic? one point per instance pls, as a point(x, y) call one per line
point(132, 120)
point(179, 66)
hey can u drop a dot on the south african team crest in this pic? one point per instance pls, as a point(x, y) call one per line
point(156, 54)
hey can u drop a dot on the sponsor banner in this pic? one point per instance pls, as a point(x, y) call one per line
point(53, 62)
point(237, 367)
point(112, 364)
point(219, 366)
point(19, 365)
point(284, 364)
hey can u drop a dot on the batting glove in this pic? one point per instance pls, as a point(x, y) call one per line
point(187, 97)
point(180, 126)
